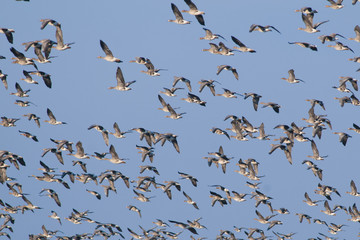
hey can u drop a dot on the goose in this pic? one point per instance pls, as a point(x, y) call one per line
point(309, 25)
point(225, 51)
point(60, 45)
point(3, 79)
point(118, 133)
point(55, 216)
point(306, 10)
point(210, 36)
point(335, 5)
point(21, 59)
point(151, 69)
point(192, 98)
point(23, 103)
point(170, 92)
point(305, 45)
point(52, 120)
point(139, 60)
point(255, 99)
point(214, 49)
point(328, 210)
point(194, 11)
point(135, 209)
point(169, 137)
point(340, 47)
point(80, 154)
point(45, 22)
point(357, 32)
point(52, 194)
point(343, 100)
point(178, 16)
point(45, 76)
point(121, 84)
point(315, 151)
point(149, 168)
point(28, 78)
point(114, 156)
point(276, 107)
point(28, 135)
point(20, 92)
point(182, 79)
point(291, 78)
point(209, 84)
point(220, 132)
point(356, 128)
point(267, 28)
point(190, 201)
point(32, 116)
point(331, 38)
point(228, 68)
point(173, 114)
point(354, 191)
point(192, 179)
point(81, 178)
point(343, 137)
point(109, 55)
point(310, 202)
point(102, 130)
point(228, 94)
point(242, 47)
point(8, 33)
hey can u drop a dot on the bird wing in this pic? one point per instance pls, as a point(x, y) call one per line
point(106, 49)
point(120, 78)
point(176, 12)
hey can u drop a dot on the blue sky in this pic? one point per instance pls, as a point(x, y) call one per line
point(80, 97)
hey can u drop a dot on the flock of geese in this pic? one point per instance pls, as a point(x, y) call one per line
point(77, 166)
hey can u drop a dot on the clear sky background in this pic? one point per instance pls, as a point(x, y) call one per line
point(80, 97)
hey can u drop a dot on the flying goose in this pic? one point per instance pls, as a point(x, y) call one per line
point(8, 33)
point(209, 84)
point(102, 130)
point(291, 78)
point(28, 78)
point(335, 5)
point(182, 79)
point(3, 79)
point(255, 99)
point(170, 92)
point(343, 137)
point(21, 59)
point(60, 45)
point(357, 33)
point(28, 135)
point(330, 38)
point(354, 191)
point(178, 16)
point(242, 47)
point(192, 98)
point(52, 194)
point(109, 56)
point(305, 45)
point(121, 84)
point(45, 76)
point(32, 116)
point(267, 28)
point(276, 107)
point(52, 120)
point(118, 133)
point(194, 11)
point(309, 25)
point(340, 47)
point(190, 201)
point(19, 91)
point(228, 68)
point(210, 36)
point(80, 154)
point(23, 103)
point(45, 22)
